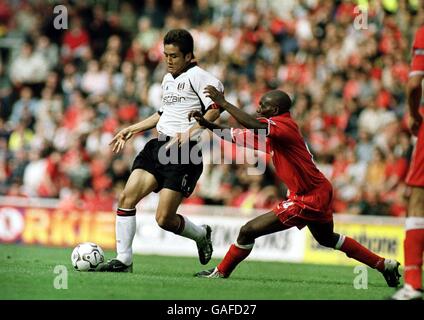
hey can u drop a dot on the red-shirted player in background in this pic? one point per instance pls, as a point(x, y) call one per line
point(310, 193)
point(414, 223)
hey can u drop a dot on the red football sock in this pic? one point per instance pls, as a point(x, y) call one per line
point(355, 250)
point(234, 256)
point(414, 247)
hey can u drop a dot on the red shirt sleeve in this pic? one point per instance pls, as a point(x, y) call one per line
point(246, 138)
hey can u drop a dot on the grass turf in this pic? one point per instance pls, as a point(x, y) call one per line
point(27, 272)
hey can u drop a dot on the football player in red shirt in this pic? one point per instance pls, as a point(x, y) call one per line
point(414, 222)
point(310, 193)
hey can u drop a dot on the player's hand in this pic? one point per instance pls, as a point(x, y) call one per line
point(197, 115)
point(120, 138)
point(415, 122)
point(215, 95)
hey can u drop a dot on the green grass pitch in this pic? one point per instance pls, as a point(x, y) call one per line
point(27, 272)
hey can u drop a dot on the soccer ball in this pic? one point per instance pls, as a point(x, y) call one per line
point(87, 256)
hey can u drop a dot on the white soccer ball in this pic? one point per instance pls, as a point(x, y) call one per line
point(87, 256)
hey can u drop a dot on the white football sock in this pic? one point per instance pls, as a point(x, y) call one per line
point(125, 232)
point(193, 231)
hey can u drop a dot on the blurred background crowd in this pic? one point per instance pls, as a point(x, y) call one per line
point(65, 92)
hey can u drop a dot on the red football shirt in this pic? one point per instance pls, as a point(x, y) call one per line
point(292, 160)
point(417, 63)
point(415, 175)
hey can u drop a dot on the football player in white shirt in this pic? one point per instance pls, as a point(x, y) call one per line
point(183, 88)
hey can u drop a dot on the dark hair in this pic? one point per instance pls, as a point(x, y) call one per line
point(281, 99)
point(285, 102)
point(180, 38)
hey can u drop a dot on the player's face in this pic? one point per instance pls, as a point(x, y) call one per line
point(267, 108)
point(175, 60)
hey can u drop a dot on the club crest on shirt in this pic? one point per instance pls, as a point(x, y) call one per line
point(180, 86)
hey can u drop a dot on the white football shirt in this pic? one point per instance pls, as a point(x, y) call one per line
point(182, 95)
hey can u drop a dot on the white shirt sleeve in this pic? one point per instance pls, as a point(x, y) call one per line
point(200, 80)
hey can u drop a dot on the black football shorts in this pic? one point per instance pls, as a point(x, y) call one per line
point(173, 169)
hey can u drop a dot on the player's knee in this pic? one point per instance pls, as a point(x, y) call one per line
point(247, 231)
point(328, 241)
point(126, 200)
point(414, 83)
point(416, 203)
point(164, 222)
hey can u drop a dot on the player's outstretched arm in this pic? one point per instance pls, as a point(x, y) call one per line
point(242, 117)
point(210, 115)
point(125, 134)
point(414, 93)
point(222, 131)
point(202, 122)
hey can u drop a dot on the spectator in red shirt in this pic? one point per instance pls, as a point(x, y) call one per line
point(75, 41)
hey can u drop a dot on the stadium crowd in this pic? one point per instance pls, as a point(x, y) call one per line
point(65, 92)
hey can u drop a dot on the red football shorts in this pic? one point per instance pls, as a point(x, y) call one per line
point(299, 210)
point(415, 177)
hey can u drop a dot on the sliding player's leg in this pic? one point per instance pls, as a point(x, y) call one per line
point(325, 235)
point(265, 224)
